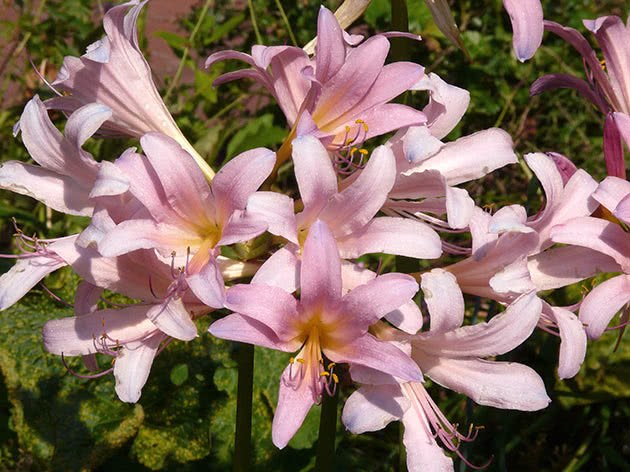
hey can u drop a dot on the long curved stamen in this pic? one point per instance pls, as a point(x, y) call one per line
point(56, 297)
point(438, 425)
point(81, 376)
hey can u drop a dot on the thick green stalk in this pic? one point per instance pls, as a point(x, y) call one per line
point(252, 15)
point(243, 436)
point(327, 429)
point(400, 22)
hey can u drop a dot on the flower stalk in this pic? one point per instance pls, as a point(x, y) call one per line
point(327, 429)
point(243, 435)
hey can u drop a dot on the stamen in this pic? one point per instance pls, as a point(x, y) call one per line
point(92, 376)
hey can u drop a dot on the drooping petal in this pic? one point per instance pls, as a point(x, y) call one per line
point(572, 340)
point(272, 306)
point(400, 236)
point(320, 275)
point(371, 408)
point(566, 265)
point(208, 285)
point(380, 355)
point(564, 165)
point(59, 192)
point(24, 275)
point(603, 303)
point(506, 385)
point(110, 181)
point(132, 367)
point(444, 300)
point(556, 81)
point(173, 319)
point(244, 329)
point(613, 148)
point(86, 121)
point(447, 104)
point(597, 234)
point(501, 334)
point(77, 335)
point(514, 278)
point(527, 23)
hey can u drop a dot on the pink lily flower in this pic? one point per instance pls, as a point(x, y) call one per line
point(182, 214)
point(66, 173)
point(349, 213)
point(452, 356)
point(511, 255)
point(610, 242)
point(323, 323)
point(527, 24)
point(341, 95)
point(114, 72)
point(608, 87)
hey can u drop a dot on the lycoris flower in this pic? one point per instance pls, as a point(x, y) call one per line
point(323, 325)
point(341, 94)
point(114, 72)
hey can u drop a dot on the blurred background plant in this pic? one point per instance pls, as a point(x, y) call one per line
point(50, 420)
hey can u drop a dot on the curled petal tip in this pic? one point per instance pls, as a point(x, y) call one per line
point(526, 17)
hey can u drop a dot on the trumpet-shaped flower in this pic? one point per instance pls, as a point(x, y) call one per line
point(341, 95)
point(323, 326)
point(610, 242)
point(114, 72)
point(452, 356)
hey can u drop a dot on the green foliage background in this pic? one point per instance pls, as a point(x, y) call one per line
point(50, 420)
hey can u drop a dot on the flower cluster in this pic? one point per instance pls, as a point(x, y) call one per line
point(160, 217)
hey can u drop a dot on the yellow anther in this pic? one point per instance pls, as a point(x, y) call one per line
point(347, 129)
point(331, 365)
point(363, 151)
point(352, 151)
point(603, 64)
point(173, 253)
point(324, 374)
point(301, 361)
point(480, 427)
point(321, 361)
point(335, 378)
point(292, 360)
point(103, 321)
point(361, 122)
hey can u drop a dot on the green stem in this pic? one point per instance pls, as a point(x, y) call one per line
point(243, 436)
point(252, 15)
point(327, 428)
point(402, 451)
point(286, 22)
point(191, 42)
point(400, 22)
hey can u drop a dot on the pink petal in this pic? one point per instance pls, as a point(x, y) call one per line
point(556, 81)
point(506, 385)
point(86, 298)
point(75, 335)
point(55, 190)
point(244, 329)
point(133, 365)
point(444, 300)
point(527, 22)
point(407, 317)
point(173, 319)
point(282, 269)
point(320, 275)
point(611, 191)
point(472, 156)
point(419, 144)
point(185, 187)
point(110, 181)
point(572, 340)
point(423, 451)
point(371, 408)
point(447, 104)
point(314, 173)
point(241, 227)
point(277, 211)
point(459, 207)
point(501, 334)
point(240, 178)
point(564, 165)
point(331, 50)
point(513, 279)
point(293, 405)
point(366, 350)
point(622, 211)
point(272, 306)
point(24, 275)
point(354, 207)
point(594, 233)
point(208, 285)
point(86, 121)
point(603, 303)
point(566, 265)
point(613, 147)
point(368, 303)
point(400, 236)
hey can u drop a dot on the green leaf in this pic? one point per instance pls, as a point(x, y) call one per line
point(179, 374)
point(257, 133)
point(222, 30)
point(176, 42)
point(203, 84)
